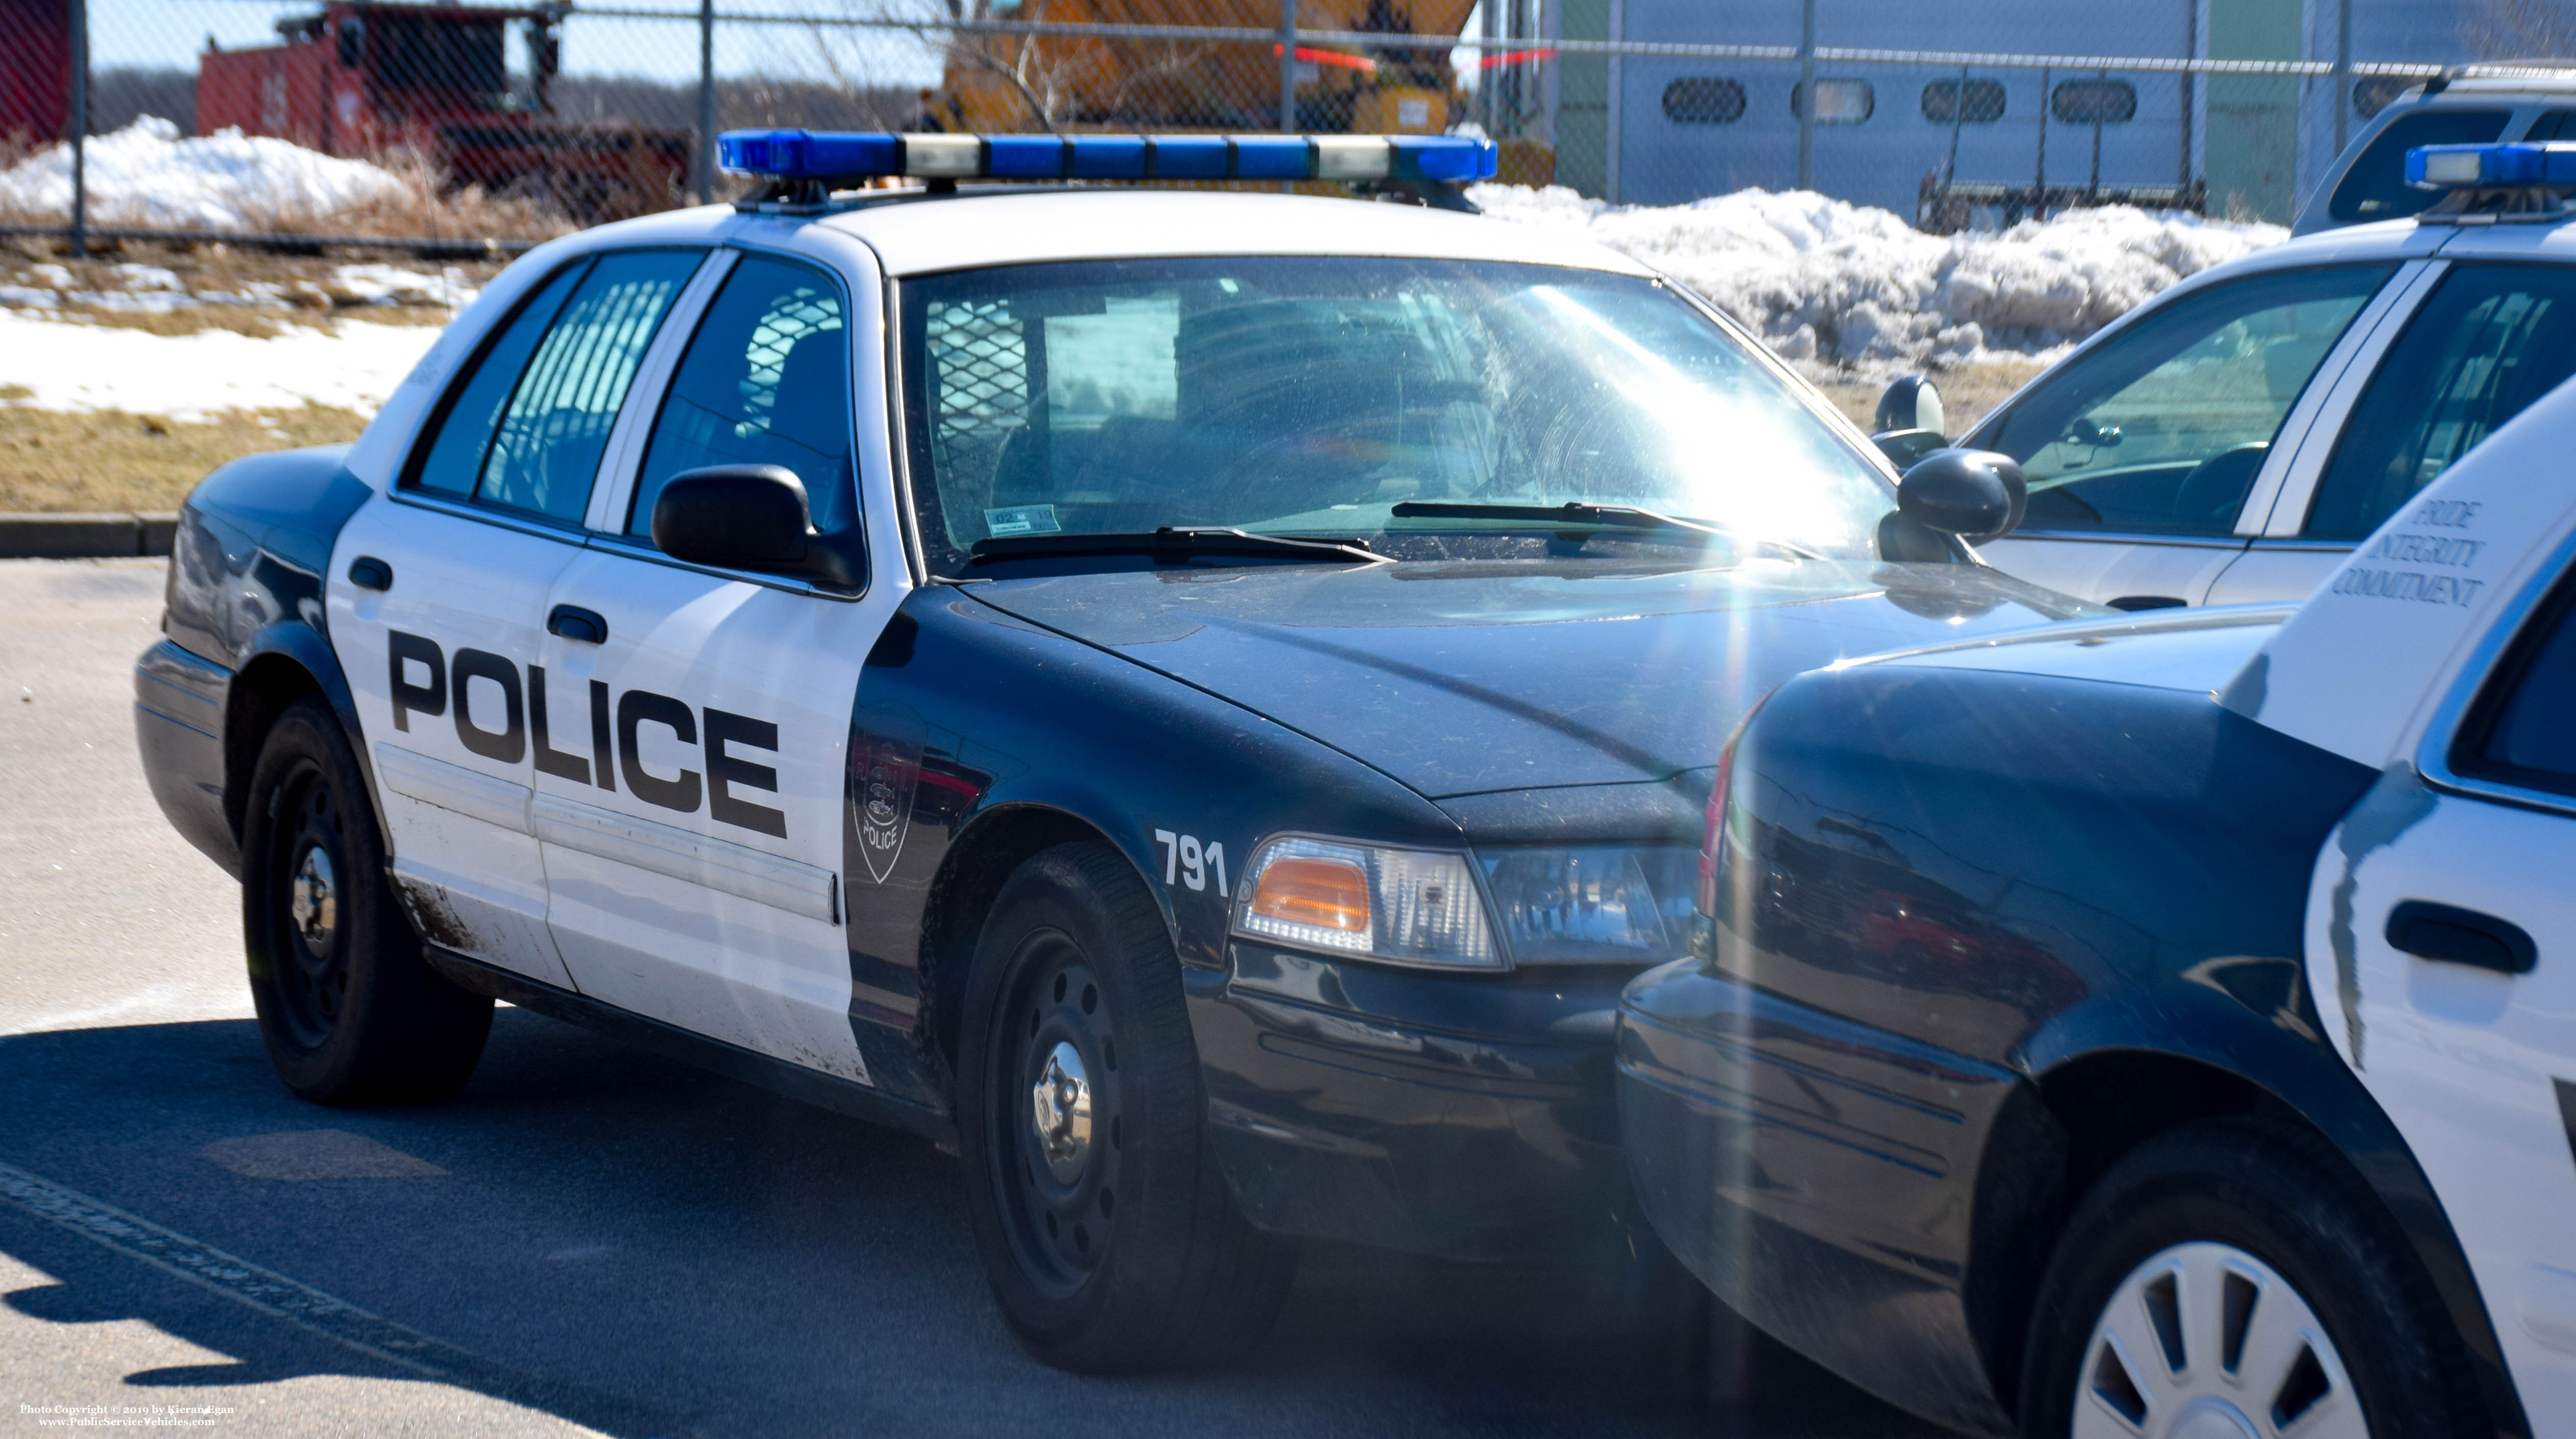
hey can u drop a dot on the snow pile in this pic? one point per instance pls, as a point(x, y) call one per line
point(352, 365)
point(1831, 283)
point(148, 174)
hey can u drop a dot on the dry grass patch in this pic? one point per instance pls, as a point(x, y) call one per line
point(62, 463)
point(1968, 392)
point(181, 290)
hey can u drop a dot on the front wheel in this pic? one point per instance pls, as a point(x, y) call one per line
point(1109, 1236)
point(2231, 1279)
point(350, 1010)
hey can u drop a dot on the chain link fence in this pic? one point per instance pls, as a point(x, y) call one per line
point(494, 125)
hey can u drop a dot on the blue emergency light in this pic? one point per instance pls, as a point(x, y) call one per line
point(2459, 167)
point(828, 155)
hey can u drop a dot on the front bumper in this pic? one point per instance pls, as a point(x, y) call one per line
point(1463, 1115)
point(179, 702)
point(1820, 1175)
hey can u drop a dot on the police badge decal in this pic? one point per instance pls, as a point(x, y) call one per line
point(885, 768)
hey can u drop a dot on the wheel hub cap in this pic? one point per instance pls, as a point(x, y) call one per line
point(2214, 1419)
point(1060, 1106)
point(313, 901)
point(2205, 1341)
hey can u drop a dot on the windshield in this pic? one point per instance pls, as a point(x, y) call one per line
point(1314, 396)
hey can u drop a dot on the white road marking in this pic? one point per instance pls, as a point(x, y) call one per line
point(162, 1002)
point(232, 1277)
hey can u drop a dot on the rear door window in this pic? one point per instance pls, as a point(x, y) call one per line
point(2522, 730)
point(766, 381)
point(527, 429)
point(2375, 187)
point(2490, 341)
point(2552, 125)
point(2162, 427)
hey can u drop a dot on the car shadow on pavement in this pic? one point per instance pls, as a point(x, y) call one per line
point(644, 1248)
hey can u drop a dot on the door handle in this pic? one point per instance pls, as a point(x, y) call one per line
point(2461, 936)
point(2148, 602)
point(369, 573)
point(575, 623)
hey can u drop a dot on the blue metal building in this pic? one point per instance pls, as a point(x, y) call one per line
point(1653, 130)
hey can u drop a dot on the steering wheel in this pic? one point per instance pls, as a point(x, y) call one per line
point(2220, 481)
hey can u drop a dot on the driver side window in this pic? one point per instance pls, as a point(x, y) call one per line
point(2162, 428)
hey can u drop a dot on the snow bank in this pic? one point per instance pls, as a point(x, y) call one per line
point(352, 365)
point(148, 174)
point(1837, 284)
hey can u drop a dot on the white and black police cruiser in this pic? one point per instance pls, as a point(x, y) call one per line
point(2165, 1027)
point(1198, 700)
point(2232, 439)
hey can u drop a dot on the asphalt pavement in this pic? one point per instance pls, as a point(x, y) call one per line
point(592, 1239)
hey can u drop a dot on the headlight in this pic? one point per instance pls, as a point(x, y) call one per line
point(1604, 904)
point(1407, 906)
point(1608, 904)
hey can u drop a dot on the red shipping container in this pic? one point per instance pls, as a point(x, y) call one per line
point(35, 71)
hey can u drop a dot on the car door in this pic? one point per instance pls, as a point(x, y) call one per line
point(2443, 946)
point(2489, 338)
point(2143, 451)
point(693, 841)
point(437, 624)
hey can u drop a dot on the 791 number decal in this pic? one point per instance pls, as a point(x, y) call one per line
point(1187, 861)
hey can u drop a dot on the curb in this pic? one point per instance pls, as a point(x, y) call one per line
point(83, 537)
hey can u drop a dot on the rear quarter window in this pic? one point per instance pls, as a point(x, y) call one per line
point(2375, 187)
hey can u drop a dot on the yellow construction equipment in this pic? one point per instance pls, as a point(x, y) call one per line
point(1004, 82)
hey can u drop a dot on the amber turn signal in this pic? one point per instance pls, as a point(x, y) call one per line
point(1328, 894)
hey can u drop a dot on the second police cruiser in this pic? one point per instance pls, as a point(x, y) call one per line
point(1196, 700)
point(2167, 1027)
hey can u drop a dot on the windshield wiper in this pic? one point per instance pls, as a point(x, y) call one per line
point(1176, 543)
point(1615, 517)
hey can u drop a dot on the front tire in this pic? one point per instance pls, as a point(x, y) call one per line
point(2231, 1278)
point(1109, 1236)
point(351, 1012)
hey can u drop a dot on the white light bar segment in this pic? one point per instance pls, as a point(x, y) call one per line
point(943, 156)
point(1353, 157)
point(2456, 168)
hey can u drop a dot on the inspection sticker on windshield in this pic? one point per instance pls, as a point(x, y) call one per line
point(1021, 520)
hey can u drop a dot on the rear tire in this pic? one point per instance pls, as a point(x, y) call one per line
point(351, 1011)
point(2233, 1270)
point(1109, 1236)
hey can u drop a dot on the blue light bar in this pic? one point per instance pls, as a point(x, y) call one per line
point(837, 155)
point(2460, 167)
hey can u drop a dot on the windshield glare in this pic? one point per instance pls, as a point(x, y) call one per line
point(1312, 396)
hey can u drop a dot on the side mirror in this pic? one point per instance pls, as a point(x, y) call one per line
point(748, 517)
point(1911, 403)
point(1977, 495)
point(1904, 448)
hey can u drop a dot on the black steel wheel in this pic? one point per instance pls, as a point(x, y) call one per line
point(1110, 1239)
point(1059, 1165)
point(349, 1008)
point(310, 859)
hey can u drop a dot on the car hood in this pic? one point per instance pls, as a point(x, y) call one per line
point(1463, 678)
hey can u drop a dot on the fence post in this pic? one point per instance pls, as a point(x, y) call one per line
point(2093, 185)
point(80, 129)
point(1287, 67)
point(706, 101)
point(2343, 71)
point(1615, 69)
point(2039, 178)
point(1807, 94)
point(2190, 51)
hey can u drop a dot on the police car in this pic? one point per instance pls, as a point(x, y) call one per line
point(2231, 440)
point(1013, 662)
point(2163, 1027)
